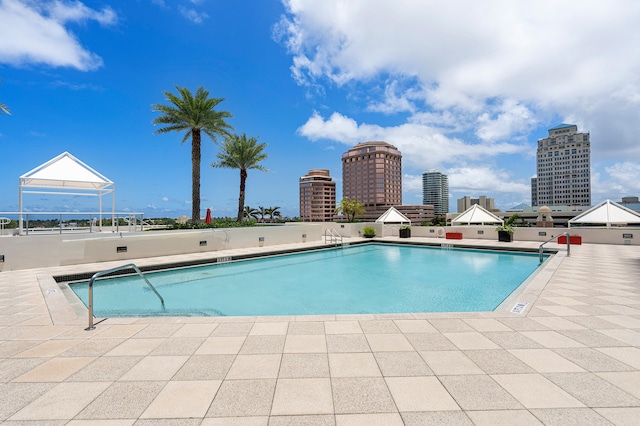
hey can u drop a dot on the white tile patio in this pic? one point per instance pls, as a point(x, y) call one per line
point(571, 357)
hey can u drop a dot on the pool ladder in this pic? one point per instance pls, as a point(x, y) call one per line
point(110, 271)
point(331, 236)
point(541, 248)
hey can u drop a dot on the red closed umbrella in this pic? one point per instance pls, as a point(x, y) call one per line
point(208, 218)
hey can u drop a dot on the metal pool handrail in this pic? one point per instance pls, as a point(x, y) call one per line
point(541, 248)
point(333, 235)
point(109, 271)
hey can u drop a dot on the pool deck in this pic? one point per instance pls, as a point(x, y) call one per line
point(572, 357)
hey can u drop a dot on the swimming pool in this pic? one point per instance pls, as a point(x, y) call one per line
point(369, 278)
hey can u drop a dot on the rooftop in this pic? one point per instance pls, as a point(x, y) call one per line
point(562, 126)
point(572, 356)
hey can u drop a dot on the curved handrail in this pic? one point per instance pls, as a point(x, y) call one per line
point(109, 271)
point(541, 248)
point(334, 235)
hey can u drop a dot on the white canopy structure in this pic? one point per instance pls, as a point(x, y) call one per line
point(393, 216)
point(477, 215)
point(65, 175)
point(607, 213)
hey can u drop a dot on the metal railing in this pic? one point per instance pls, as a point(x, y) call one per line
point(331, 236)
point(109, 271)
point(541, 248)
point(39, 223)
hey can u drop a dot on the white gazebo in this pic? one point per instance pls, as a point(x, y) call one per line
point(477, 215)
point(607, 213)
point(393, 217)
point(65, 175)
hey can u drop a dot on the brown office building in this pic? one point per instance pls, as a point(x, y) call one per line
point(372, 174)
point(317, 196)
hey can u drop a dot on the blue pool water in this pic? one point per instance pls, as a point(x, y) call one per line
point(372, 278)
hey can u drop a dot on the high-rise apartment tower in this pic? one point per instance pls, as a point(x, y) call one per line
point(372, 174)
point(317, 196)
point(563, 168)
point(435, 190)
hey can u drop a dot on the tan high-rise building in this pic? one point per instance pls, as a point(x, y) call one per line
point(372, 174)
point(317, 196)
point(483, 201)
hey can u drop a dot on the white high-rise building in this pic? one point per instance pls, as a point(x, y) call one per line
point(563, 168)
point(435, 191)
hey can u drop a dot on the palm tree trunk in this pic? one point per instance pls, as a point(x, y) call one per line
point(243, 181)
point(195, 176)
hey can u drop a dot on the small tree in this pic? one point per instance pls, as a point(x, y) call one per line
point(262, 212)
point(439, 221)
point(351, 209)
point(250, 212)
point(509, 224)
point(273, 212)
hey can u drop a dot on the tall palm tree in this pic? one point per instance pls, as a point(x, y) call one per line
point(238, 152)
point(192, 114)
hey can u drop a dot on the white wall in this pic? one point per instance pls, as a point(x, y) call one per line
point(23, 252)
point(33, 251)
point(589, 235)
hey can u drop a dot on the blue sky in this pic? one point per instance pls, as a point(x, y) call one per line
point(465, 87)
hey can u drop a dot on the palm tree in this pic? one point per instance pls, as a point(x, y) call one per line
point(262, 212)
point(238, 152)
point(273, 212)
point(250, 212)
point(350, 208)
point(192, 114)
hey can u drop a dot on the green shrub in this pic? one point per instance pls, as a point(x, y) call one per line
point(368, 230)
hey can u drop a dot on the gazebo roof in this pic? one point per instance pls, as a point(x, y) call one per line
point(393, 216)
point(607, 213)
point(65, 172)
point(476, 215)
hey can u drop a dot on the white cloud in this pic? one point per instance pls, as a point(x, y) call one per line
point(34, 32)
point(63, 12)
point(494, 70)
point(193, 15)
point(412, 183)
point(620, 180)
point(508, 118)
point(478, 180)
point(485, 180)
point(422, 146)
point(627, 174)
point(393, 102)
